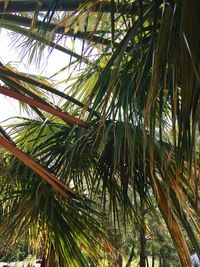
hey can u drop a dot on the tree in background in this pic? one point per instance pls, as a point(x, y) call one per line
point(126, 127)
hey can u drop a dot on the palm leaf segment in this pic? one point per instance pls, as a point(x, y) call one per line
point(145, 78)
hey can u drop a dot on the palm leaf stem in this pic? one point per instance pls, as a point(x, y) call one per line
point(63, 5)
point(8, 73)
point(36, 167)
point(47, 108)
point(27, 22)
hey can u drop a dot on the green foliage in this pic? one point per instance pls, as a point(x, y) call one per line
point(122, 138)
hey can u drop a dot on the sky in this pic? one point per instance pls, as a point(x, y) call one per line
point(10, 55)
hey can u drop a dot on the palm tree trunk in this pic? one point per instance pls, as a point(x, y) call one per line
point(63, 5)
point(142, 234)
point(120, 261)
point(153, 260)
point(142, 247)
point(153, 257)
point(160, 261)
point(43, 262)
point(128, 264)
point(147, 261)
